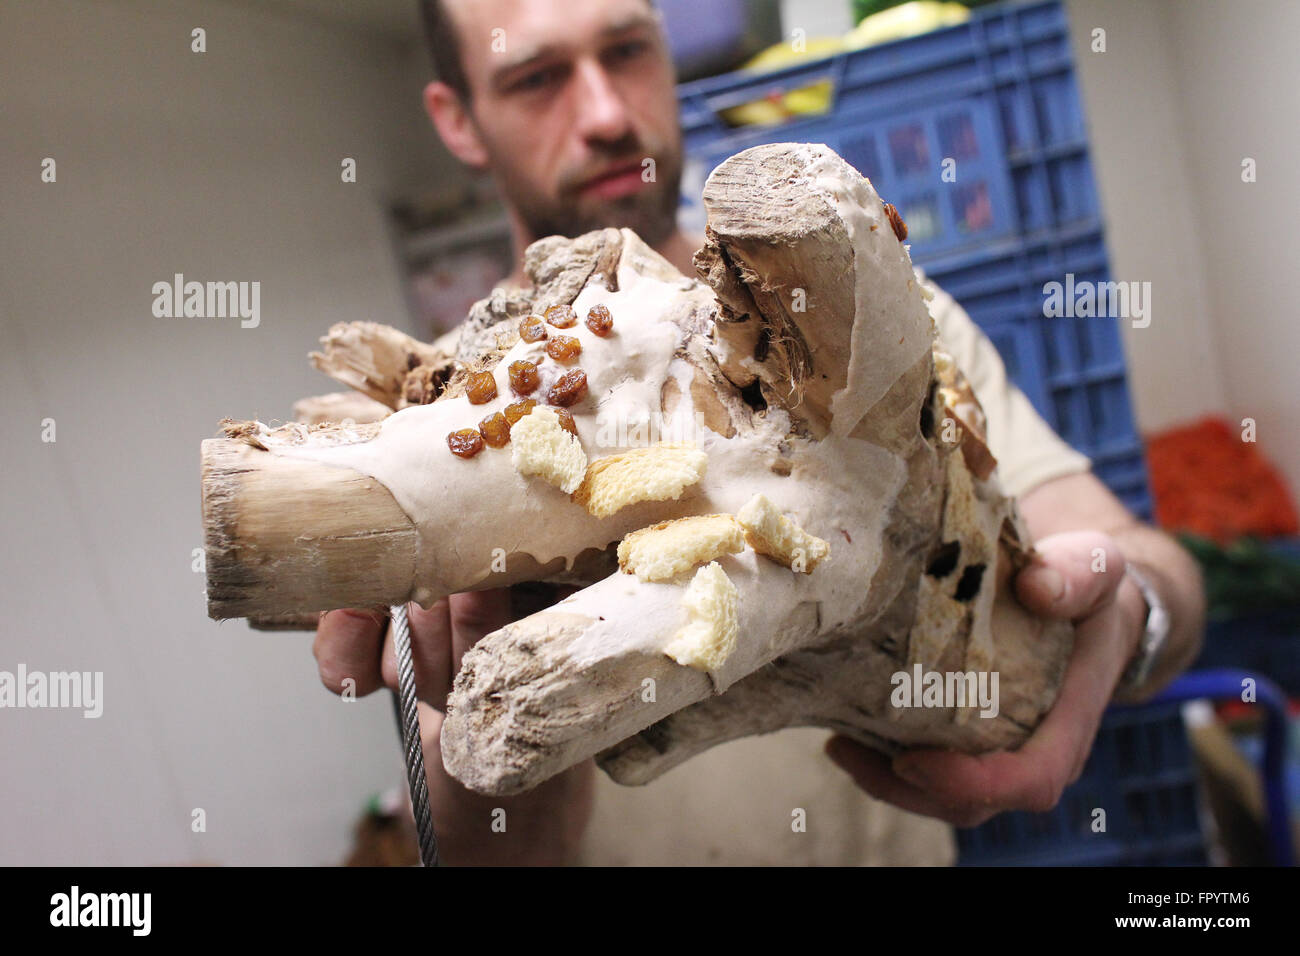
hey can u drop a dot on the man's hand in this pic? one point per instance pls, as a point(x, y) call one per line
point(358, 644)
point(1109, 615)
point(542, 826)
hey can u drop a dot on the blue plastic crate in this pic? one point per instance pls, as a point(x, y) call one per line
point(1141, 773)
point(998, 95)
point(899, 155)
point(995, 95)
point(1071, 368)
point(1266, 642)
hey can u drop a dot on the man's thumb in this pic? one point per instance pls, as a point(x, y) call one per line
point(1073, 574)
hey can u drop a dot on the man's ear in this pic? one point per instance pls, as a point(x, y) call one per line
point(451, 117)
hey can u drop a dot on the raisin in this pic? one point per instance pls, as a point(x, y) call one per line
point(599, 320)
point(569, 389)
point(566, 421)
point(495, 429)
point(532, 329)
point(896, 221)
point(480, 388)
point(517, 410)
point(523, 377)
point(563, 348)
point(465, 443)
point(562, 316)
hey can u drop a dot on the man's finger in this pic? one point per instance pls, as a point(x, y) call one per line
point(870, 770)
point(1073, 575)
point(1033, 777)
point(347, 649)
point(430, 653)
point(474, 615)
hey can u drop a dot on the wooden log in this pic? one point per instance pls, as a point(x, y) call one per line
point(289, 536)
point(853, 369)
point(333, 408)
point(825, 403)
point(293, 535)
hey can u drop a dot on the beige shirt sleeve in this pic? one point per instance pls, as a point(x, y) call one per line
point(1028, 451)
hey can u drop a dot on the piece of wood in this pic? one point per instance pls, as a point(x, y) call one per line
point(376, 360)
point(332, 408)
point(554, 688)
point(339, 407)
point(287, 536)
point(807, 361)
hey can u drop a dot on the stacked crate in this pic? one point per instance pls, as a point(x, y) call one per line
point(976, 134)
point(1018, 209)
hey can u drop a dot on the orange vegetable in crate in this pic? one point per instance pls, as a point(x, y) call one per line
point(1206, 479)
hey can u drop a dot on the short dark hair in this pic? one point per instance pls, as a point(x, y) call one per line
point(444, 46)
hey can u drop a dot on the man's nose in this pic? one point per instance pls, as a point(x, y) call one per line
point(601, 112)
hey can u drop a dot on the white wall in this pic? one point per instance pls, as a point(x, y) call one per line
point(1135, 124)
point(817, 17)
point(1184, 91)
point(222, 166)
point(1238, 73)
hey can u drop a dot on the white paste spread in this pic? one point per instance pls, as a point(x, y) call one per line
point(466, 509)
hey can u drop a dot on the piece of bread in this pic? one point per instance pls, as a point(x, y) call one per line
point(769, 532)
point(540, 446)
point(663, 551)
point(660, 472)
point(709, 636)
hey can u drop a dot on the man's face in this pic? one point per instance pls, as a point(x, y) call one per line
point(570, 99)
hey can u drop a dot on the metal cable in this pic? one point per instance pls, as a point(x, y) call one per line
point(409, 719)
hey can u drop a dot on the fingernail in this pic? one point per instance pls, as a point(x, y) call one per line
point(1050, 582)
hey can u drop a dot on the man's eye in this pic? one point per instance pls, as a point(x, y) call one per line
point(627, 50)
point(536, 80)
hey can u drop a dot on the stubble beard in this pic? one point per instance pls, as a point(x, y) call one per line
point(651, 212)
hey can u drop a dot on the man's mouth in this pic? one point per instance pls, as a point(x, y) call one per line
point(614, 183)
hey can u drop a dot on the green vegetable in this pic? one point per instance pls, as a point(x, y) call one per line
point(1249, 576)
